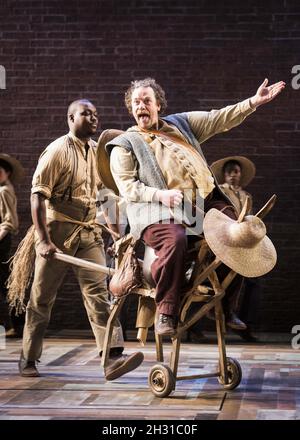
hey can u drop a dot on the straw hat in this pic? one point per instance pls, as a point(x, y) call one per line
point(18, 171)
point(248, 169)
point(244, 246)
point(103, 158)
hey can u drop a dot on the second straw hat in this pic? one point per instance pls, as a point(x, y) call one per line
point(18, 171)
point(103, 158)
point(247, 166)
point(244, 246)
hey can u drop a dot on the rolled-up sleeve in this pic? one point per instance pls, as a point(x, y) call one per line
point(8, 211)
point(207, 124)
point(50, 167)
point(124, 170)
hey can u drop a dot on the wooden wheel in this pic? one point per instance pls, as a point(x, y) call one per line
point(161, 380)
point(234, 373)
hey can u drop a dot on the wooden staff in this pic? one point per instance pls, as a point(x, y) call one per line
point(83, 263)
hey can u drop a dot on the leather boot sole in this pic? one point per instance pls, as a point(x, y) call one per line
point(30, 373)
point(236, 326)
point(26, 370)
point(167, 332)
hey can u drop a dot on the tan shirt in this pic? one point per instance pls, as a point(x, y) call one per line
point(238, 197)
point(53, 173)
point(182, 167)
point(8, 208)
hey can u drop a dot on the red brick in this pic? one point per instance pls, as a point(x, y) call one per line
point(205, 54)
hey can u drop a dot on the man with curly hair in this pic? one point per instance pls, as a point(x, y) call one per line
point(154, 164)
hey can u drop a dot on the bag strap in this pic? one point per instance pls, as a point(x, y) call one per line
point(171, 137)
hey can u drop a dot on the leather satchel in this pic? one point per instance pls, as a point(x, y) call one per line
point(128, 275)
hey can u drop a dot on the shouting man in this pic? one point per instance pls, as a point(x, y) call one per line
point(154, 163)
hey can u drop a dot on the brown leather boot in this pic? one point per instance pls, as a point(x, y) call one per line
point(233, 321)
point(165, 325)
point(118, 366)
point(28, 368)
point(13, 333)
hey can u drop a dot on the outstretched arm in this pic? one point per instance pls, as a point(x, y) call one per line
point(266, 93)
point(207, 124)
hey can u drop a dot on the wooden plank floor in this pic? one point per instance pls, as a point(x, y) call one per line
point(72, 385)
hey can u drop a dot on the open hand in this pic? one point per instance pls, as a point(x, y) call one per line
point(266, 93)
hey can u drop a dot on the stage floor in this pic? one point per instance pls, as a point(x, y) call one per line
point(72, 385)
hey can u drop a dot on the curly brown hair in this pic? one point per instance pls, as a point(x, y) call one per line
point(146, 82)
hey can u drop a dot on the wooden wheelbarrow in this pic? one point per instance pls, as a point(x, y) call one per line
point(162, 378)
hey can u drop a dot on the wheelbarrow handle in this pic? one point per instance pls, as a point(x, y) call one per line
point(83, 263)
point(267, 207)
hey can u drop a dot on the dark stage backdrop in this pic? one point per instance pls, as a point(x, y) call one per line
point(206, 54)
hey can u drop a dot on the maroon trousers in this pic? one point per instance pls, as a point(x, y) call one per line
point(170, 244)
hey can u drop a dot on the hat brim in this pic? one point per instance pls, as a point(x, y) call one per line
point(103, 160)
point(248, 262)
point(18, 171)
point(248, 169)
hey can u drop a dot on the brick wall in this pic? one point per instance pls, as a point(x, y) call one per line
point(206, 54)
